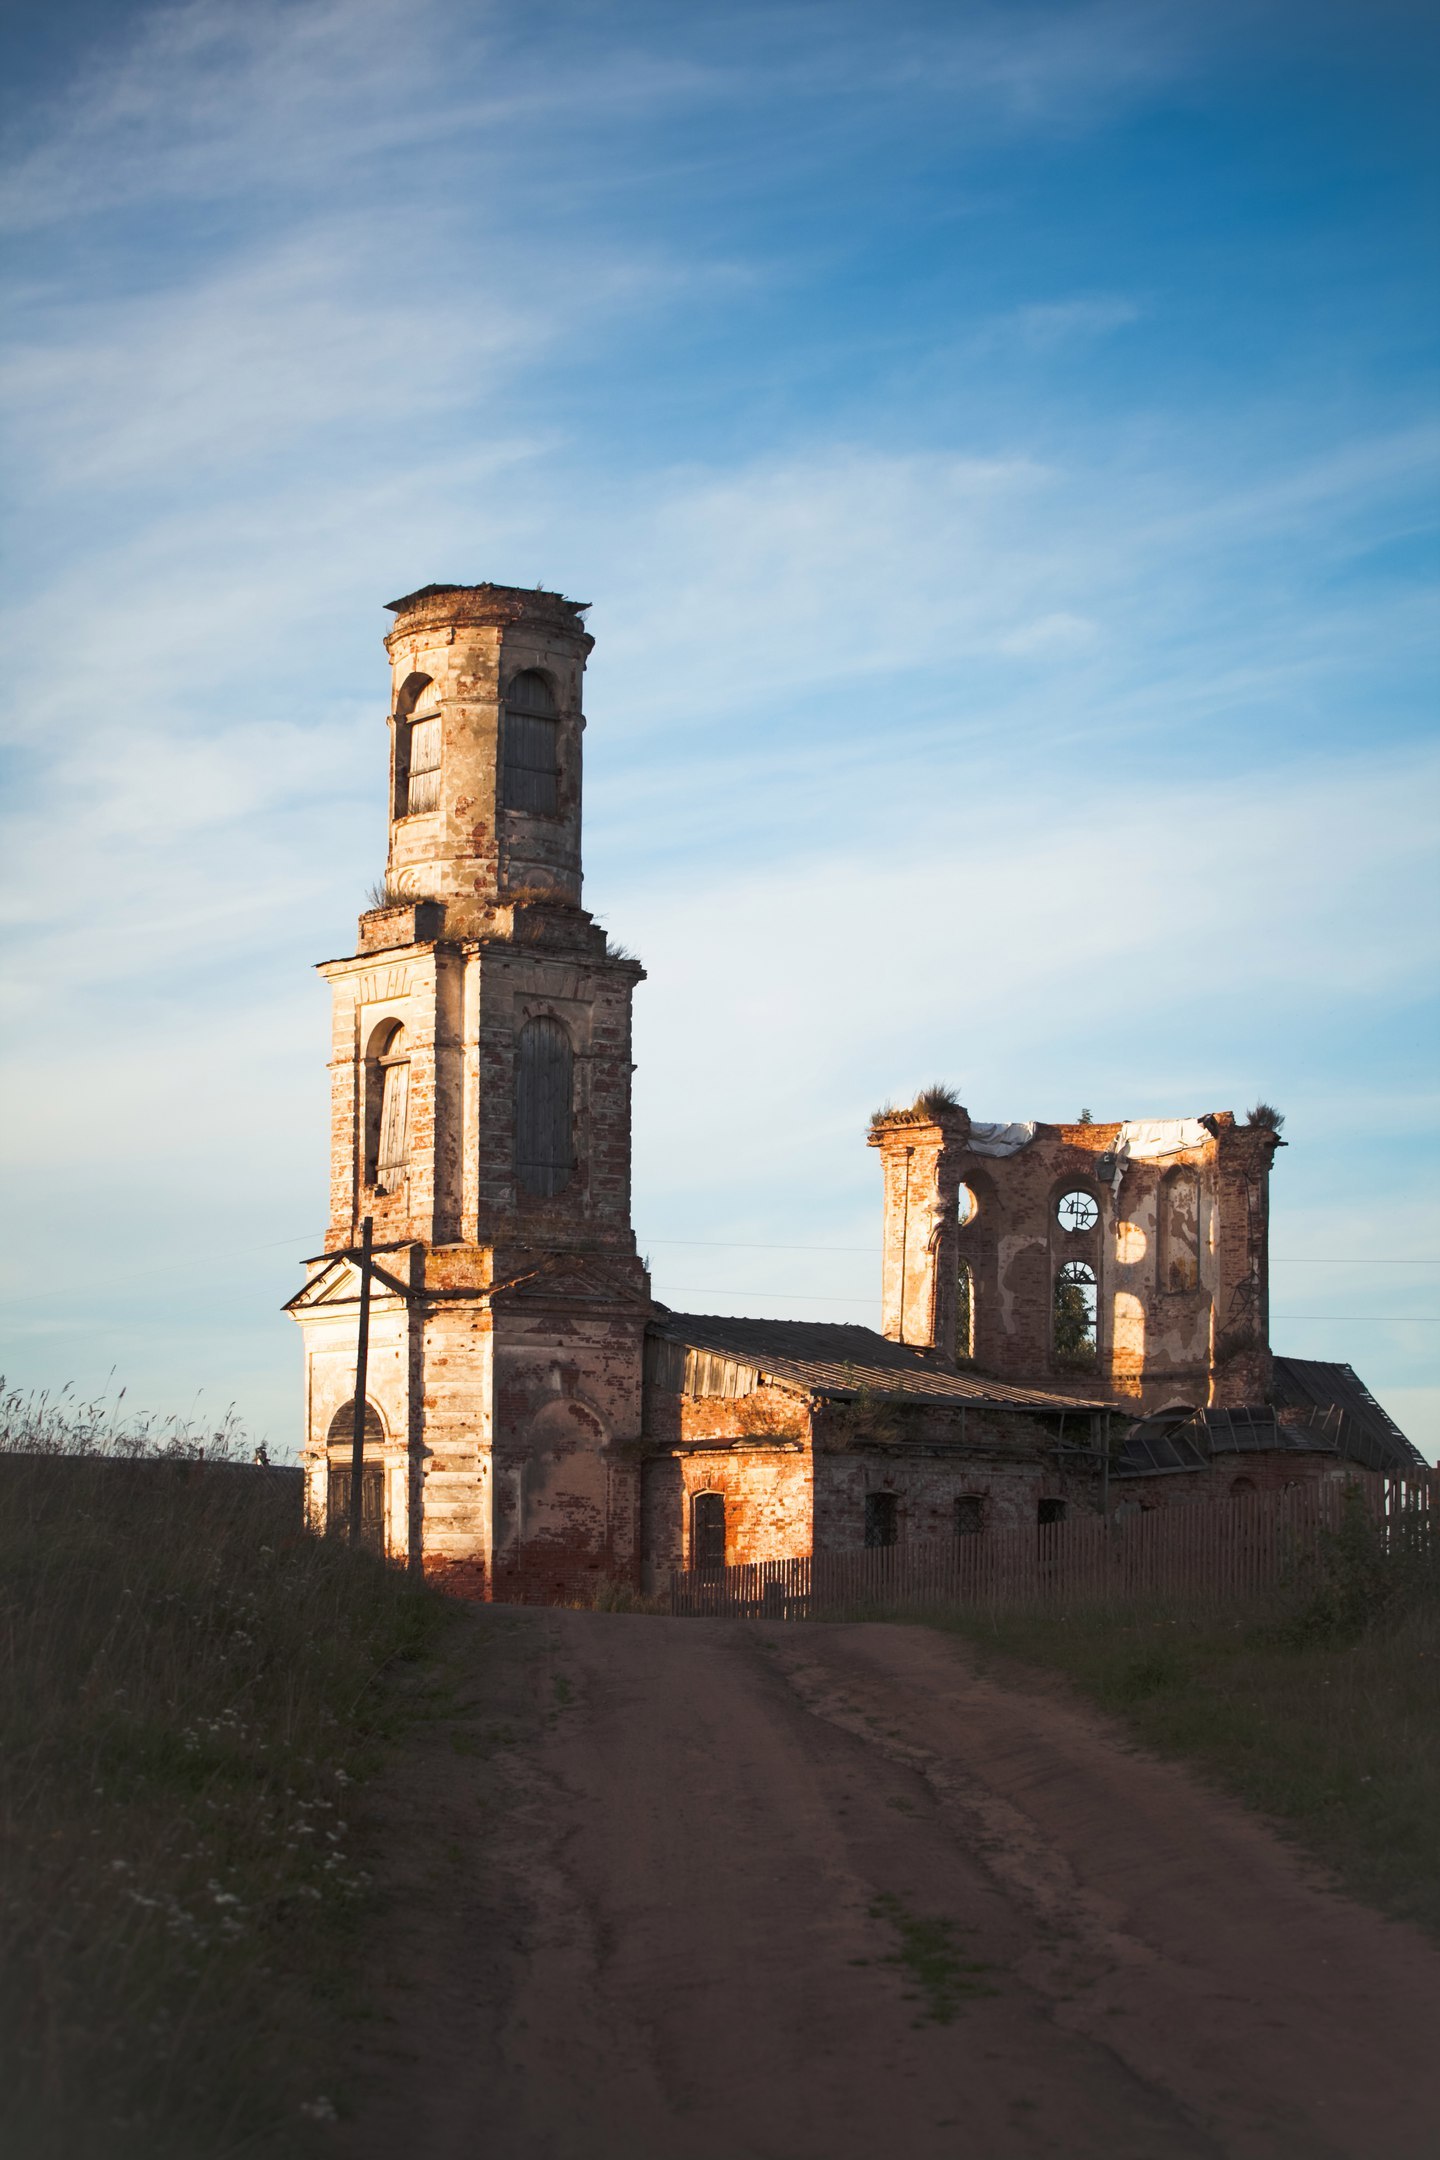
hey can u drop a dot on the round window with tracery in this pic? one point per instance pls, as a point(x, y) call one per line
point(1077, 1211)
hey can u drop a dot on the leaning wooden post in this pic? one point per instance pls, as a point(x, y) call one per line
point(362, 1376)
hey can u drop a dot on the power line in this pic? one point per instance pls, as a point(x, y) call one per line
point(814, 1297)
point(1276, 1259)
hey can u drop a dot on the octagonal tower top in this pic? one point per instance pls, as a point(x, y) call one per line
point(485, 754)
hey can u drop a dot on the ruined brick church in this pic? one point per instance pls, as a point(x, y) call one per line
point(1074, 1316)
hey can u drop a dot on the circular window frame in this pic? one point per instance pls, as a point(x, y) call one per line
point(1077, 1229)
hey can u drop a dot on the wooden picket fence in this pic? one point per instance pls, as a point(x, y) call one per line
point(1211, 1551)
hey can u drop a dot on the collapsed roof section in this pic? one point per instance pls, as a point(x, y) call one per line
point(1318, 1408)
point(1332, 1399)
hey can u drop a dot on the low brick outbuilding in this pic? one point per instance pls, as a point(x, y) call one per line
point(765, 1439)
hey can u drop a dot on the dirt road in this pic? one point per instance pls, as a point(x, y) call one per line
point(691, 1890)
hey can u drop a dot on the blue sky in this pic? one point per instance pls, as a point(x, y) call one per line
point(1000, 446)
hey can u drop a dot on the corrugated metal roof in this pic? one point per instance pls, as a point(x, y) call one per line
point(1335, 1400)
point(835, 1358)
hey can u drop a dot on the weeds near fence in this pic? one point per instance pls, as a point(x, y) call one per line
point(612, 1593)
point(189, 1700)
point(1319, 1704)
point(1362, 1575)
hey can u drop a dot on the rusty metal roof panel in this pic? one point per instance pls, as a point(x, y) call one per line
point(839, 1359)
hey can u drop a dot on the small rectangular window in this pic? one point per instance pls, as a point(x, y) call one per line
point(882, 1518)
point(969, 1515)
point(1051, 1511)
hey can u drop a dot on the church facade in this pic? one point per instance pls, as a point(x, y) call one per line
point(534, 1422)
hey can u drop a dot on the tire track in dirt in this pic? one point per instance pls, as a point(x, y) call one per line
point(666, 1890)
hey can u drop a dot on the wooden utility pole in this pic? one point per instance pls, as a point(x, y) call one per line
point(362, 1377)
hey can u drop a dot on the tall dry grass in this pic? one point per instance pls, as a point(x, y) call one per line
point(191, 1689)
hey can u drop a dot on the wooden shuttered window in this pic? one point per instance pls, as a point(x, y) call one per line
point(531, 763)
point(387, 1108)
point(394, 1124)
point(422, 789)
point(544, 1120)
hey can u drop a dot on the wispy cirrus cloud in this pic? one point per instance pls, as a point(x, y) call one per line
point(1063, 739)
point(214, 98)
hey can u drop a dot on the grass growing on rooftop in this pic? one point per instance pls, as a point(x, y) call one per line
point(192, 1691)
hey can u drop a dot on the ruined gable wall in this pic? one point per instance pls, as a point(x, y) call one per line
point(1168, 1327)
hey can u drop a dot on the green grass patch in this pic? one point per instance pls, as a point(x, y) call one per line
point(192, 1691)
point(941, 1976)
point(1334, 1732)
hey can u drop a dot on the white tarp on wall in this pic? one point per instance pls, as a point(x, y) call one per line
point(988, 1139)
point(1151, 1139)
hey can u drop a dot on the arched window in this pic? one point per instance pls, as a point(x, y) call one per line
point(1241, 1487)
point(417, 748)
point(544, 1079)
point(1076, 1307)
point(387, 1108)
point(965, 1312)
point(530, 778)
point(1179, 1230)
point(342, 1426)
point(339, 1482)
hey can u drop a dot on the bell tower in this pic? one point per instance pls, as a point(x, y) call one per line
point(485, 751)
point(480, 1117)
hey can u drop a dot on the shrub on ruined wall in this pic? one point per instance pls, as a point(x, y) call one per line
point(867, 1420)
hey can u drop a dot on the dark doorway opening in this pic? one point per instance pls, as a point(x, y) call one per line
point(372, 1504)
point(710, 1530)
point(882, 1518)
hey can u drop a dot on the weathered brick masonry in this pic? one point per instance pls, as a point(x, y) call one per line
point(534, 1422)
point(506, 1361)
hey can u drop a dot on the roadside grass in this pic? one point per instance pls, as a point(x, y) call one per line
point(1335, 1733)
point(192, 1688)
